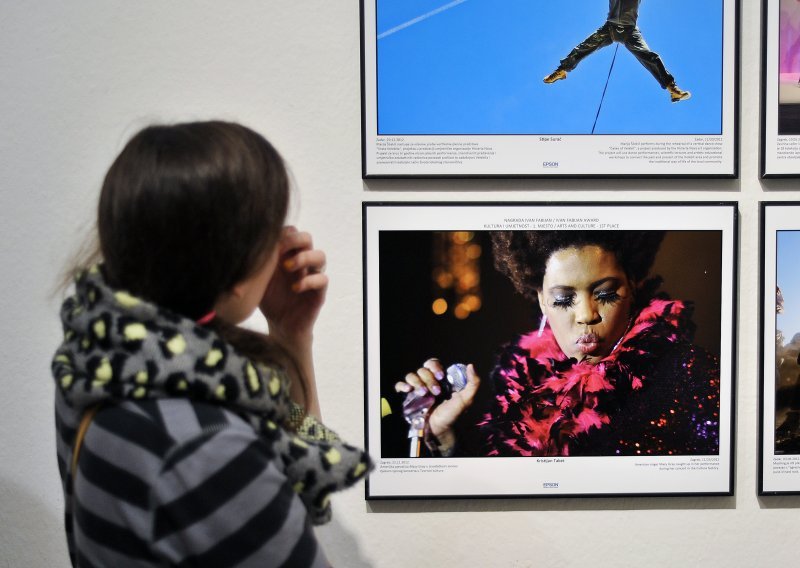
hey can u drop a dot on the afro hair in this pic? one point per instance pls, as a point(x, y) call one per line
point(522, 255)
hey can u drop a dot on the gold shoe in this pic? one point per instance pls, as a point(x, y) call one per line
point(678, 94)
point(556, 75)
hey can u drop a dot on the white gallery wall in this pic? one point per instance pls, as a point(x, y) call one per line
point(78, 78)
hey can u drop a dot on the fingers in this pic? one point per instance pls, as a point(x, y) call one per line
point(305, 263)
point(311, 260)
point(435, 367)
point(312, 281)
point(425, 379)
point(473, 382)
point(292, 239)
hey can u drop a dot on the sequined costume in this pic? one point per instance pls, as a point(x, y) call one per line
point(655, 394)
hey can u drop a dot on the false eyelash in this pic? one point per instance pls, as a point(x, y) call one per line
point(605, 298)
point(564, 302)
point(609, 297)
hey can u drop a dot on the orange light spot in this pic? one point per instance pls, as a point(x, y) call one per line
point(474, 251)
point(462, 237)
point(472, 302)
point(443, 278)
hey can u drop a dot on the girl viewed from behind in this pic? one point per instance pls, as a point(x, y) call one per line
point(182, 438)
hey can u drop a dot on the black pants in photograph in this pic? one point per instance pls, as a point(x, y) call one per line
point(631, 38)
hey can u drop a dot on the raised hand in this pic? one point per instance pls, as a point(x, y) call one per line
point(443, 417)
point(291, 304)
point(296, 292)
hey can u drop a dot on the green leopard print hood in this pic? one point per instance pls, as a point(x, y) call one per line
point(117, 347)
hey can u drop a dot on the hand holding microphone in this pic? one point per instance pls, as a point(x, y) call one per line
point(435, 398)
point(418, 402)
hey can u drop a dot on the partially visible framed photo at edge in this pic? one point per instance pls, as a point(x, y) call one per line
point(543, 349)
point(779, 426)
point(574, 88)
point(780, 89)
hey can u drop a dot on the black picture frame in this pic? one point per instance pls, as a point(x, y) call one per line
point(778, 442)
point(506, 145)
point(780, 94)
point(703, 244)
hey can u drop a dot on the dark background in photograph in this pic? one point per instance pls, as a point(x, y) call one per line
point(690, 263)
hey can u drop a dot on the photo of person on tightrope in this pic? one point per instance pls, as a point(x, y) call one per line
point(621, 28)
point(474, 67)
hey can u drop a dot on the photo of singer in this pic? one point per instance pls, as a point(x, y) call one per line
point(626, 363)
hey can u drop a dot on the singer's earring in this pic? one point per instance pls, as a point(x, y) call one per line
point(541, 325)
point(630, 325)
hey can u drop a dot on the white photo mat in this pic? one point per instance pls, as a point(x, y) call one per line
point(780, 146)
point(398, 152)
point(779, 472)
point(431, 477)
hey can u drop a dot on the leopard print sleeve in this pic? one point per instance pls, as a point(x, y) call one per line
point(309, 427)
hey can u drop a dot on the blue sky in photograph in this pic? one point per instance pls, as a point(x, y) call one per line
point(476, 67)
point(788, 278)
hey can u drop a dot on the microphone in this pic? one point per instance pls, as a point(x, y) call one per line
point(457, 376)
point(417, 406)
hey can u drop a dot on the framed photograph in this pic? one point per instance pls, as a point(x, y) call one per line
point(542, 349)
point(780, 89)
point(779, 432)
point(470, 88)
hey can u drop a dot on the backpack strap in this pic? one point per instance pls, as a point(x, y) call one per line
point(86, 420)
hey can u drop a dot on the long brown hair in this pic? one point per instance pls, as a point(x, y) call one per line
point(188, 210)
